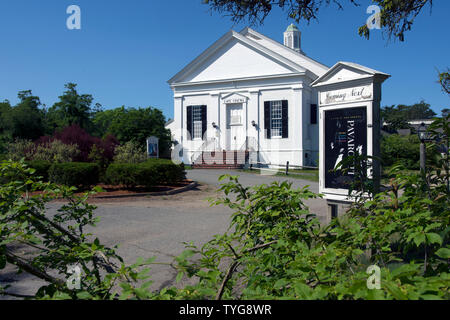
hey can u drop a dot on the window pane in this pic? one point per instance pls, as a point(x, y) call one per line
point(276, 117)
point(196, 113)
point(197, 129)
point(197, 122)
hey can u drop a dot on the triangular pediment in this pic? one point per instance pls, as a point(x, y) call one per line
point(234, 98)
point(235, 57)
point(347, 71)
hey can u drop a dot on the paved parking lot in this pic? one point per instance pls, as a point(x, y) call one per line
point(210, 177)
point(158, 226)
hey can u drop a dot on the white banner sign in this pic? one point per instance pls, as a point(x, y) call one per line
point(346, 95)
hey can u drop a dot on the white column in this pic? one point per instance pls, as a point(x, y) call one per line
point(253, 114)
point(179, 118)
point(298, 122)
point(222, 122)
point(214, 116)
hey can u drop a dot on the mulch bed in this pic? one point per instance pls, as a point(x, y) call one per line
point(112, 191)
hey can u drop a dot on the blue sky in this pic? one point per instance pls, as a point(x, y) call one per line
point(127, 50)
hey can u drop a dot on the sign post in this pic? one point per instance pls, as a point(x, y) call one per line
point(349, 113)
point(153, 147)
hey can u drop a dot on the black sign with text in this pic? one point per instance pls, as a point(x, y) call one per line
point(345, 135)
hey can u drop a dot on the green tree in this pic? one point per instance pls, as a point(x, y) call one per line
point(72, 108)
point(396, 17)
point(25, 120)
point(397, 117)
point(419, 110)
point(136, 125)
point(103, 119)
point(5, 108)
point(393, 119)
point(444, 81)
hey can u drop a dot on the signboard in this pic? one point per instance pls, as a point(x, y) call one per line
point(346, 95)
point(234, 98)
point(349, 110)
point(345, 135)
point(153, 147)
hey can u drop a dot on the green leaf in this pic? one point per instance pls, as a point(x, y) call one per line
point(186, 254)
point(419, 239)
point(443, 253)
point(303, 291)
point(434, 238)
point(179, 276)
point(395, 291)
point(280, 284)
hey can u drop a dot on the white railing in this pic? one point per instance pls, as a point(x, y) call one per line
point(204, 147)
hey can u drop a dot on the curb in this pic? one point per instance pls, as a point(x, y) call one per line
point(162, 193)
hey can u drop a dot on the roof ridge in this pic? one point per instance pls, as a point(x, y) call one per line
point(240, 37)
point(303, 55)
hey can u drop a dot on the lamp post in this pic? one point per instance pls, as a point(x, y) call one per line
point(422, 133)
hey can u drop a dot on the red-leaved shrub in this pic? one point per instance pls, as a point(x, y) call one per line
point(76, 135)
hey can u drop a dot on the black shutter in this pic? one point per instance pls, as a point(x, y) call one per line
point(314, 114)
point(204, 122)
point(267, 118)
point(285, 119)
point(189, 121)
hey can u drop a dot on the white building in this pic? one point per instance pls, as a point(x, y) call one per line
point(249, 92)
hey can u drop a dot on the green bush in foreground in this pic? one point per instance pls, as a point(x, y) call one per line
point(78, 174)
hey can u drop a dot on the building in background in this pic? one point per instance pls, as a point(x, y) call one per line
point(250, 94)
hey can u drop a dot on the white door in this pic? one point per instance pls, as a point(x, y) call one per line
point(235, 127)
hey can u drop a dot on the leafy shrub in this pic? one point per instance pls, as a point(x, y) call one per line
point(130, 152)
point(165, 171)
point(19, 149)
point(56, 151)
point(41, 168)
point(44, 150)
point(148, 174)
point(122, 174)
point(74, 135)
point(401, 149)
point(284, 253)
point(76, 174)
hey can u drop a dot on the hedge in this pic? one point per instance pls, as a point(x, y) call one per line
point(147, 174)
point(41, 167)
point(78, 174)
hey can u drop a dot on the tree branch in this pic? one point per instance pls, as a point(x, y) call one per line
point(24, 265)
point(235, 263)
